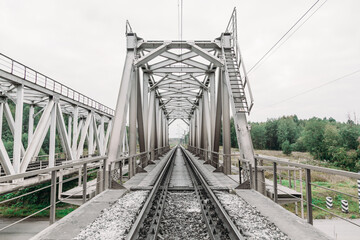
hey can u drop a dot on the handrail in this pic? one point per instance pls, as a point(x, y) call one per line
point(47, 170)
point(18, 69)
point(311, 167)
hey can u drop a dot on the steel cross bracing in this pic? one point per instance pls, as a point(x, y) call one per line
point(195, 81)
point(52, 108)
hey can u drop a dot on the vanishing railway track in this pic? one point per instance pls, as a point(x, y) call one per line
point(190, 213)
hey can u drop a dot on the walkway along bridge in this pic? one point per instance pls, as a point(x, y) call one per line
point(200, 82)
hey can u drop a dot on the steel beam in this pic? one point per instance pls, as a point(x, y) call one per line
point(132, 122)
point(62, 132)
point(226, 131)
point(31, 123)
point(18, 127)
point(52, 138)
point(38, 138)
point(118, 127)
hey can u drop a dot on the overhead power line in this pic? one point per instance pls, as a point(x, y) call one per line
point(288, 31)
point(314, 88)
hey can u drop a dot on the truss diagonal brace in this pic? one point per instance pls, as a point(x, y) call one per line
point(151, 55)
point(216, 61)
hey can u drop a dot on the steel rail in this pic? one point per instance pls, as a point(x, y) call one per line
point(234, 233)
point(134, 231)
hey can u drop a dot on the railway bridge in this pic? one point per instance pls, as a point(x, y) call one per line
point(131, 184)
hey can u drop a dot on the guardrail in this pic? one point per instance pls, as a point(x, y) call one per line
point(18, 69)
point(295, 172)
point(86, 166)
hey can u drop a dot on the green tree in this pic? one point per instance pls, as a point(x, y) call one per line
point(271, 136)
point(314, 136)
point(286, 147)
point(258, 132)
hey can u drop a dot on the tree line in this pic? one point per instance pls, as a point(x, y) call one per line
point(325, 139)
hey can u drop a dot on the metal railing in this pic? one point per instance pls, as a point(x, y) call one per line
point(232, 29)
point(295, 180)
point(86, 167)
point(24, 72)
point(308, 183)
point(241, 166)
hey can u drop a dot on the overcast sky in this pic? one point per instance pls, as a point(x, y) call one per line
point(82, 44)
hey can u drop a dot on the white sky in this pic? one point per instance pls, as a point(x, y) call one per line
point(82, 44)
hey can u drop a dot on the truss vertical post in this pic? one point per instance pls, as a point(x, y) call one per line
point(75, 129)
point(204, 128)
point(52, 137)
point(226, 131)
point(140, 119)
point(69, 128)
point(145, 108)
point(207, 121)
point(31, 123)
point(91, 137)
point(212, 89)
point(18, 127)
point(218, 114)
point(132, 123)
point(102, 134)
point(152, 126)
point(1, 116)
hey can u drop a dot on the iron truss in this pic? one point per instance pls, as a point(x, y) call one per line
point(75, 118)
point(195, 81)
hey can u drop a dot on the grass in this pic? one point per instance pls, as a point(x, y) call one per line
point(62, 210)
point(341, 184)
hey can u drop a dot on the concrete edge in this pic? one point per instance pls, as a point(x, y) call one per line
point(70, 215)
point(284, 219)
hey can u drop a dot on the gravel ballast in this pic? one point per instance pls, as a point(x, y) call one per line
point(182, 218)
point(113, 221)
point(249, 220)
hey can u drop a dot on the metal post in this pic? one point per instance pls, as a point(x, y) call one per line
point(52, 138)
point(53, 197)
point(226, 130)
point(18, 128)
point(309, 197)
point(75, 130)
point(31, 123)
point(301, 191)
point(105, 175)
point(84, 182)
point(132, 123)
point(275, 184)
point(256, 176)
point(121, 174)
point(69, 128)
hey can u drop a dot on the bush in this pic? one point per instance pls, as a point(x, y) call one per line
point(286, 147)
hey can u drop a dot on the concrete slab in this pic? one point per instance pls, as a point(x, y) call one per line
point(214, 179)
point(71, 225)
point(293, 226)
point(150, 177)
point(180, 176)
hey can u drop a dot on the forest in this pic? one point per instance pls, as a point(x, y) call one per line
point(325, 139)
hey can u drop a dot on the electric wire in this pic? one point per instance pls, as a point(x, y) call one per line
point(314, 88)
point(286, 33)
point(289, 36)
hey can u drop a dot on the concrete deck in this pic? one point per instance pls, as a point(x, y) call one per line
point(180, 177)
point(295, 227)
point(214, 179)
point(71, 225)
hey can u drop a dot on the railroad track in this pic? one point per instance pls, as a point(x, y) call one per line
point(190, 212)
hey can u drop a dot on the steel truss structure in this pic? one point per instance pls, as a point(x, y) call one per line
point(195, 81)
point(55, 110)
